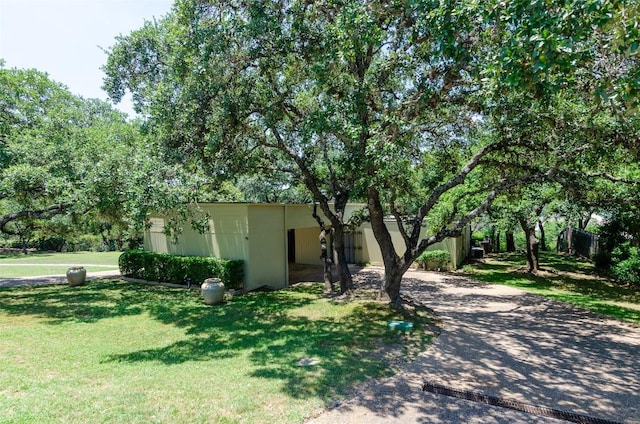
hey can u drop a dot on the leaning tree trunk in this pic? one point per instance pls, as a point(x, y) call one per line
point(394, 266)
point(533, 253)
point(511, 245)
point(394, 270)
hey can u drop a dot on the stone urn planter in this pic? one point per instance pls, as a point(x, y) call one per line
point(212, 291)
point(76, 276)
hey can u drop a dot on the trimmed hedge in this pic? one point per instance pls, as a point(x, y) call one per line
point(434, 260)
point(175, 269)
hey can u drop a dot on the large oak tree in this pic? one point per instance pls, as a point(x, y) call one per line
point(398, 103)
point(76, 161)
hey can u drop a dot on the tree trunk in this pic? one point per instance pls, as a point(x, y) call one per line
point(511, 245)
point(326, 260)
point(394, 266)
point(391, 287)
point(492, 239)
point(532, 246)
point(559, 241)
point(570, 241)
point(496, 242)
point(543, 239)
point(584, 221)
point(346, 281)
point(328, 276)
point(534, 253)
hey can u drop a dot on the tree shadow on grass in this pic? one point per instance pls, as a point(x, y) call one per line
point(111, 298)
point(90, 303)
point(568, 263)
point(219, 331)
point(556, 261)
point(315, 357)
point(351, 349)
point(502, 275)
point(277, 331)
point(567, 279)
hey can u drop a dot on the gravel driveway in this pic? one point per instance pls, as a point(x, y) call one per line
point(504, 342)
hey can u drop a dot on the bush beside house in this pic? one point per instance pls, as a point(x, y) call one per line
point(434, 260)
point(176, 269)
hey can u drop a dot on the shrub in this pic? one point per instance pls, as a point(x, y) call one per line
point(602, 259)
point(52, 244)
point(84, 243)
point(627, 271)
point(616, 235)
point(478, 235)
point(434, 260)
point(176, 269)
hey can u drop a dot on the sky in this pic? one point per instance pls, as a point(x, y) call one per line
point(64, 37)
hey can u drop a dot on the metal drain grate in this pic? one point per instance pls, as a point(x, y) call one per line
point(513, 404)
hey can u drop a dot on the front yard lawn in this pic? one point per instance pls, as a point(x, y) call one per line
point(34, 264)
point(119, 352)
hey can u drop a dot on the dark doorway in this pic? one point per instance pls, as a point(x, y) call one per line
point(291, 245)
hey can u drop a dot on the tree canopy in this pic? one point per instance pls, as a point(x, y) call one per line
point(76, 162)
point(428, 111)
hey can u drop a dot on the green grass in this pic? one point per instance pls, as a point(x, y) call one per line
point(563, 278)
point(19, 265)
point(119, 352)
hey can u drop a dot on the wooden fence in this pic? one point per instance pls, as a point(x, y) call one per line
point(579, 242)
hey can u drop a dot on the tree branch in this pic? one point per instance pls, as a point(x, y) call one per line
point(398, 217)
point(457, 180)
point(456, 229)
point(45, 213)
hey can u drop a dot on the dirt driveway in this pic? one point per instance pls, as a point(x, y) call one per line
point(504, 343)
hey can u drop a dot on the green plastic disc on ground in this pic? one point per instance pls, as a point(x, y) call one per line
point(400, 325)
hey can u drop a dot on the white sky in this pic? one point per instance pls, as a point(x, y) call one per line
point(63, 37)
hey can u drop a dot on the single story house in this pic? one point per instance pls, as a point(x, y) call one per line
point(268, 237)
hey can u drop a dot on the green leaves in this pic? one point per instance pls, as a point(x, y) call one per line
point(176, 269)
point(546, 44)
point(76, 158)
point(431, 108)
